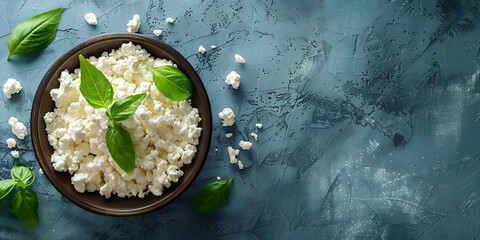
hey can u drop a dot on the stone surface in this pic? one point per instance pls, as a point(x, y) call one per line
point(370, 112)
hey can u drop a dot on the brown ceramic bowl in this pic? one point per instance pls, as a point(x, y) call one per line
point(43, 103)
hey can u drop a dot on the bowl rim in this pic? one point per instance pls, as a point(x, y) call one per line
point(179, 60)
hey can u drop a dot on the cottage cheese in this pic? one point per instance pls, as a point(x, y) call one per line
point(228, 135)
point(213, 47)
point(254, 135)
point(259, 125)
point(18, 128)
point(227, 116)
point(169, 20)
point(134, 24)
point(11, 143)
point(239, 59)
point(240, 165)
point(165, 133)
point(201, 49)
point(15, 154)
point(245, 145)
point(91, 18)
point(157, 32)
point(233, 79)
point(232, 154)
point(11, 87)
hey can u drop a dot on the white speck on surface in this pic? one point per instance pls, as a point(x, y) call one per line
point(245, 145)
point(15, 154)
point(157, 32)
point(134, 24)
point(254, 135)
point(233, 79)
point(18, 128)
point(239, 59)
point(213, 47)
point(218, 178)
point(40, 171)
point(232, 154)
point(259, 125)
point(228, 135)
point(227, 116)
point(240, 165)
point(216, 149)
point(91, 18)
point(11, 87)
point(169, 20)
point(11, 143)
point(201, 49)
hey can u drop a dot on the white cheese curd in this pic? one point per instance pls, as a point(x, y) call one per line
point(157, 32)
point(15, 154)
point(18, 128)
point(240, 165)
point(254, 135)
point(245, 145)
point(232, 154)
point(227, 116)
point(91, 18)
point(219, 178)
point(233, 79)
point(134, 24)
point(228, 135)
point(11, 143)
point(201, 49)
point(213, 47)
point(239, 59)
point(169, 20)
point(11, 86)
point(259, 125)
point(165, 133)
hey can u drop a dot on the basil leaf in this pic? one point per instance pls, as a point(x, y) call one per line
point(212, 196)
point(121, 148)
point(22, 174)
point(172, 83)
point(34, 34)
point(123, 109)
point(6, 187)
point(25, 207)
point(94, 86)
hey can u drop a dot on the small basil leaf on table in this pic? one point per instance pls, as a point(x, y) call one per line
point(34, 34)
point(25, 207)
point(212, 196)
point(121, 148)
point(6, 187)
point(22, 174)
point(94, 86)
point(123, 109)
point(172, 83)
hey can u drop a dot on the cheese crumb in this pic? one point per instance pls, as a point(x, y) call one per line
point(245, 145)
point(232, 154)
point(254, 135)
point(91, 18)
point(259, 125)
point(134, 24)
point(11, 87)
point(18, 128)
point(228, 135)
point(11, 143)
point(218, 178)
point(240, 165)
point(233, 79)
point(157, 32)
point(201, 49)
point(239, 59)
point(169, 20)
point(15, 154)
point(40, 171)
point(227, 116)
point(213, 47)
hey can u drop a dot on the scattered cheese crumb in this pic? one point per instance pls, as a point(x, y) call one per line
point(228, 135)
point(232, 154)
point(15, 154)
point(240, 165)
point(18, 128)
point(11, 143)
point(91, 18)
point(259, 125)
point(245, 145)
point(201, 49)
point(40, 171)
point(233, 79)
point(254, 135)
point(239, 59)
point(134, 24)
point(213, 47)
point(11, 87)
point(227, 116)
point(216, 149)
point(170, 20)
point(218, 178)
point(157, 32)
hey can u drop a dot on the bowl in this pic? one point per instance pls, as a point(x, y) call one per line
point(43, 103)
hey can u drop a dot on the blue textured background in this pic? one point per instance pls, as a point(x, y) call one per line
point(371, 114)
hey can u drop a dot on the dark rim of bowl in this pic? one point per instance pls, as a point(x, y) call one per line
point(181, 62)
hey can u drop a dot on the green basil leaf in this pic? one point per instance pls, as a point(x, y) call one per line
point(94, 86)
point(6, 187)
point(22, 174)
point(212, 196)
point(34, 34)
point(25, 207)
point(123, 109)
point(121, 148)
point(172, 83)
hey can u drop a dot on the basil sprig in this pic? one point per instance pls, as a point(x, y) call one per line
point(98, 92)
point(25, 200)
point(35, 33)
point(212, 196)
point(172, 83)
